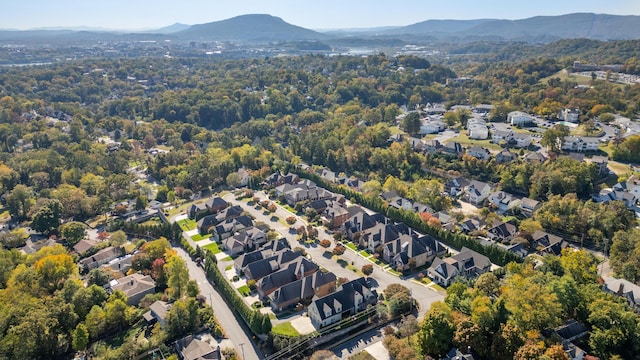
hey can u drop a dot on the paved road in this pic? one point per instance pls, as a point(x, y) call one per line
point(223, 313)
point(379, 279)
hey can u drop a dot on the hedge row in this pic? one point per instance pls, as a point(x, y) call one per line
point(258, 322)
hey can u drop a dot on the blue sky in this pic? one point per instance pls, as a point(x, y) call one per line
point(318, 14)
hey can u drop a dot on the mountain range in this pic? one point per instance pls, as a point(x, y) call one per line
point(267, 28)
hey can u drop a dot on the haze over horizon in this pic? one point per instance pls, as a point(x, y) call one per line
point(329, 14)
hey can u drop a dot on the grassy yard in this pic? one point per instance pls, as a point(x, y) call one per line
point(437, 287)
point(228, 258)
point(395, 272)
point(228, 268)
point(244, 290)
point(285, 329)
point(364, 253)
point(352, 246)
point(362, 355)
point(213, 247)
point(199, 237)
point(464, 140)
point(565, 75)
point(187, 224)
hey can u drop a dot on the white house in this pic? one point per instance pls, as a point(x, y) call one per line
point(499, 135)
point(580, 143)
point(519, 118)
point(479, 152)
point(477, 191)
point(478, 130)
point(432, 126)
point(521, 140)
point(503, 201)
point(570, 115)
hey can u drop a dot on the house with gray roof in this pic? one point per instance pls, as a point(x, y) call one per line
point(318, 284)
point(287, 273)
point(191, 348)
point(269, 249)
point(535, 157)
point(502, 231)
point(506, 156)
point(546, 243)
point(467, 263)
point(209, 221)
point(476, 192)
point(349, 299)
point(158, 312)
point(232, 226)
point(528, 206)
point(101, 257)
point(261, 268)
point(625, 289)
point(503, 201)
point(479, 152)
point(411, 251)
point(135, 286)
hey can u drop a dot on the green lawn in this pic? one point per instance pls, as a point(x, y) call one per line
point(213, 247)
point(199, 237)
point(285, 329)
point(352, 246)
point(464, 140)
point(187, 224)
point(363, 355)
point(228, 268)
point(565, 75)
point(394, 272)
point(364, 253)
point(228, 258)
point(244, 290)
point(437, 287)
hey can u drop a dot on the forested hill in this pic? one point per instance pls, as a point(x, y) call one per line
point(256, 27)
point(577, 25)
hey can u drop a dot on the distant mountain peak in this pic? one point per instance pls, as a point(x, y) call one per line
point(250, 27)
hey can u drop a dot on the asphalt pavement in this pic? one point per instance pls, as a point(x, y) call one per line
point(379, 279)
point(223, 313)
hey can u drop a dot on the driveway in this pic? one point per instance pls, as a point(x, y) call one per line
point(379, 279)
point(223, 313)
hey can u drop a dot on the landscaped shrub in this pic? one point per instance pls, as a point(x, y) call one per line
point(325, 243)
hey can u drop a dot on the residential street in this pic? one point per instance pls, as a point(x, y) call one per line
point(222, 312)
point(379, 279)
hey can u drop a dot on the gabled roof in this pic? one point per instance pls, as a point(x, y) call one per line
point(160, 310)
point(478, 186)
point(503, 230)
point(535, 156)
point(194, 349)
point(622, 287)
point(545, 239)
point(84, 245)
point(344, 297)
point(447, 269)
point(471, 260)
point(266, 266)
point(302, 288)
point(216, 202)
point(293, 270)
point(134, 284)
point(362, 221)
